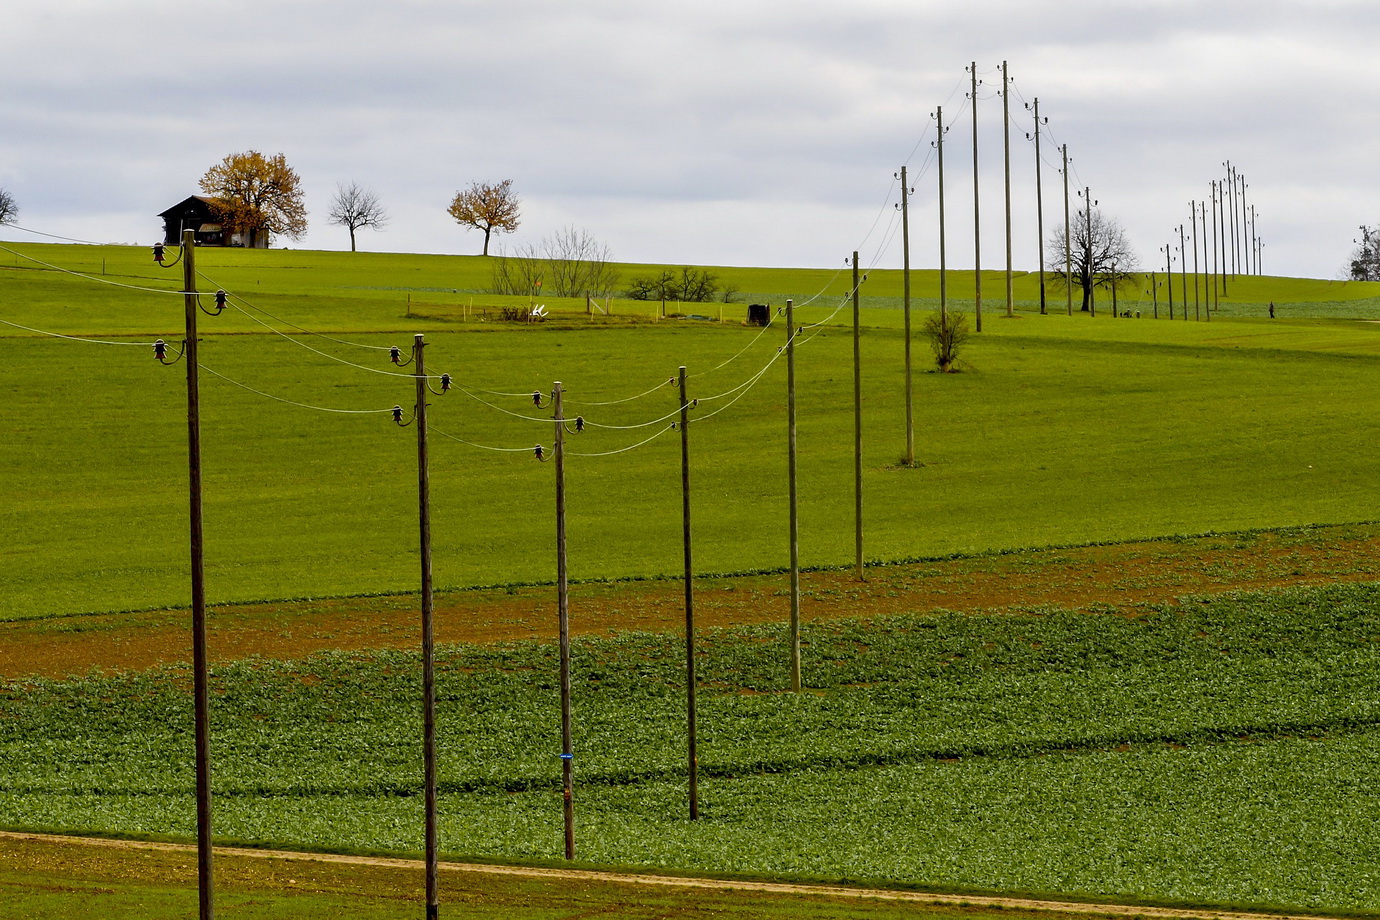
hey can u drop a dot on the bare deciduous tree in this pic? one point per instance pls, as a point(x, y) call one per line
point(355, 207)
point(1102, 257)
point(486, 207)
point(1365, 260)
point(9, 208)
point(570, 263)
point(257, 195)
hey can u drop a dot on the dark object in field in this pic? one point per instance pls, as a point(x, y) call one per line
point(759, 314)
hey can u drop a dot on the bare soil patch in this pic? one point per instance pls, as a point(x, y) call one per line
point(1119, 579)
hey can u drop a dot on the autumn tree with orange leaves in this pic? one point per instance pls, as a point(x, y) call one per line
point(256, 195)
point(491, 208)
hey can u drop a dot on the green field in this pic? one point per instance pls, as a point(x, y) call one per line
point(1217, 751)
point(1224, 752)
point(1061, 430)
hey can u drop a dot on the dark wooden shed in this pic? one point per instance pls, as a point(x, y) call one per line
point(198, 213)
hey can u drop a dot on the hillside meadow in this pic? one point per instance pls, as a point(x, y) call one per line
point(1208, 749)
point(1060, 430)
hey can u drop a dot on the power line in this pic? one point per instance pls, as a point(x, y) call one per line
point(68, 271)
point(74, 338)
point(291, 402)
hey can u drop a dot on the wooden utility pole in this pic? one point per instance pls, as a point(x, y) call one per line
point(1169, 275)
point(201, 675)
point(1006, 158)
point(977, 216)
point(1068, 242)
point(1040, 206)
point(1255, 250)
point(1092, 251)
point(1155, 294)
point(857, 427)
point(1183, 269)
point(943, 260)
point(905, 303)
point(563, 608)
point(433, 897)
point(1193, 220)
point(692, 758)
point(794, 495)
point(1231, 194)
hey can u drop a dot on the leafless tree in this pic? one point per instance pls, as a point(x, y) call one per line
point(1101, 255)
point(570, 263)
point(947, 332)
point(9, 209)
point(354, 207)
point(1365, 260)
point(486, 207)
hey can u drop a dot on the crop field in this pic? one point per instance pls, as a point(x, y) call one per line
point(1202, 730)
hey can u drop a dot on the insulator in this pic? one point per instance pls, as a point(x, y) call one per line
point(445, 383)
point(220, 300)
point(397, 414)
point(579, 423)
point(158, 253)
point(538, 451)
point(536, 397)
point(394, 354)
point(160, 349)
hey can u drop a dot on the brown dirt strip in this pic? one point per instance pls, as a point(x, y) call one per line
point(1117, 579)
point(633, 879)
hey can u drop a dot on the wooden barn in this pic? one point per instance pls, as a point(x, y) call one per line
point(198, 213)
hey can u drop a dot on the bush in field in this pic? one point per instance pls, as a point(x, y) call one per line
point(689, 285)
point(947, 332)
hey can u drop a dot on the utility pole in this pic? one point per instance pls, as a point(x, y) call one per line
point(1040, 206)
point(1006, 158)
point(905, 301)
point(1068, 243)
point(692, 758)
point(1169, 275)
point(943, 261)
point(1092, 280)
point(794, 495)
point(857, 427)
point(1155, 294)
point(433, 897)
point(563, 609)
point(1216, 281)
point(1235, 246)
point(201, 676)
point(977, 214)
point(1183, 269)
point(1193, 220)
point(1255, 251)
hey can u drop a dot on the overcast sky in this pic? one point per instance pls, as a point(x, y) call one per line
point(743, 132)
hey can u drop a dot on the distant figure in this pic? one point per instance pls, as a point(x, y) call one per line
point(1272, 309)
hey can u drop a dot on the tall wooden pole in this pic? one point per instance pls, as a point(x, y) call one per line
point(1068, 241)
point(433, 897)
point(977, 216)
point(1183, 269)
point(692, 757)
point(905, 302)
point(563, 608)
point(1092, 250)
point(1006, 159)
point(1169, 275)
point(1155, 294)
point(1193, 221)
point(943, 260)
point(1040, 206)
point(1235, 244)
point(201, 675)
point(857, 427)
point(794, 495)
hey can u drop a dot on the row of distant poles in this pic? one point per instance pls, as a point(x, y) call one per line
point(1232, 241)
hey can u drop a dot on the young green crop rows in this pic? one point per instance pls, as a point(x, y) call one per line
point(1172, 755)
